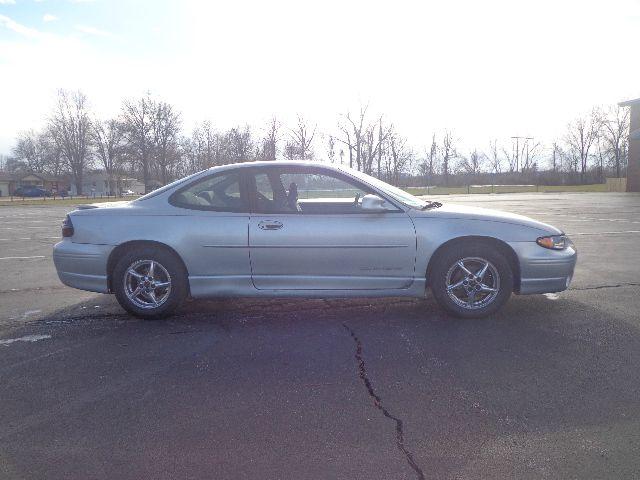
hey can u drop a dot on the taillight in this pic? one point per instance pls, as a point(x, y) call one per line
point(67, 227)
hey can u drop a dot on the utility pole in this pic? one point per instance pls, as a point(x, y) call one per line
point(517, 152)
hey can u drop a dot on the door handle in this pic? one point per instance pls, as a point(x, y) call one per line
point(270, 225)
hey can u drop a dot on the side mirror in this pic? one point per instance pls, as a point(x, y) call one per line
point(373, 203)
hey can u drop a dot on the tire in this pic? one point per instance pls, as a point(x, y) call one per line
point(133, 290)
point(470, 297)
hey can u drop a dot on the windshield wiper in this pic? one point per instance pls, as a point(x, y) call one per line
point(431, 205)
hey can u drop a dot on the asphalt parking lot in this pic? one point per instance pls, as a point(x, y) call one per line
point(341, 389)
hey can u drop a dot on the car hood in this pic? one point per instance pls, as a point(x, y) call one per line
point(464, 212)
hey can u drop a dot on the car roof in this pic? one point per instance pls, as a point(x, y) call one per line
point(279, 163)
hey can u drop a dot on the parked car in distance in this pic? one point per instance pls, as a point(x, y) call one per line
point(30, 191)
point(305, 229)
point(128, 193)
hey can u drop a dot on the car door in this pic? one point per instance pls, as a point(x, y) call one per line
point(307, 232)
point(208, 228)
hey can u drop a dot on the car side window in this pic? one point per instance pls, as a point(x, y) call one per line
point(270, 195)
point(320, 186)
point(220, 193)
point(306, 192)
point(263, 186)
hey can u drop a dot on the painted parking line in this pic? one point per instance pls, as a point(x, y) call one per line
point(626, 232)
point(23, 258)
point(22, 228)
point(26, 221)
point(27, 238)
point(26, 338)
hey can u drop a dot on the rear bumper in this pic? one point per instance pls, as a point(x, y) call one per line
point(543, 270)
point(82, 266)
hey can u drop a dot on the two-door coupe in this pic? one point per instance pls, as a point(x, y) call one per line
point(305, 229)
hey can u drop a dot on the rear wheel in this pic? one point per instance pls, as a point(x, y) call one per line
point(471, 281)
point(149, 282)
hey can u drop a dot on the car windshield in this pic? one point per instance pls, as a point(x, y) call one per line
point(394, 192)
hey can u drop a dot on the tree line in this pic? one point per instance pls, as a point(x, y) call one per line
point(147, 140)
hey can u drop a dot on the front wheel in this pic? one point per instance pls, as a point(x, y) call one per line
point(471, 281)
point(149, 282)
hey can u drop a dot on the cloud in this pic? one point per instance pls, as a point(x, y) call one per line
point(49, 18)
point(7, 2)
point(14, 26)
point(93, 31)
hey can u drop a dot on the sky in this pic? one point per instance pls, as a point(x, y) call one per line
point(484, 70)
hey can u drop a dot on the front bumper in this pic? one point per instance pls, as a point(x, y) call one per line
point(543, 270)
point(82, 265)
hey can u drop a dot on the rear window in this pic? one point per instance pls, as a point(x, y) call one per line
point(167, 187)
point(220, 193)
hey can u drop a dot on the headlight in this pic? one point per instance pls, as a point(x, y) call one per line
point(554, 242)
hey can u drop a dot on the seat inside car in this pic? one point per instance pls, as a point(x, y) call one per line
point(292, 197)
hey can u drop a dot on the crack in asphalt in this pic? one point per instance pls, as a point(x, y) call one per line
point(617, 285)
point(377, 401)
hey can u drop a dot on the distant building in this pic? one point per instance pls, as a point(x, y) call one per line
point(93, 183)
point(10, 182)
point(7, 184)
point(633, 167)
point(97, 183)
point(44, 181)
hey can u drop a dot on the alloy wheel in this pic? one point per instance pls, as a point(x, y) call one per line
point(147, 284)
point(472, 283)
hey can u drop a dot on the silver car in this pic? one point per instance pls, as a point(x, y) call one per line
point(305, 229)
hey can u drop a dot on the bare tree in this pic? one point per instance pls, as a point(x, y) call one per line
point(107, 138)
point(615, 133)
point(13, 165)
point(331, 149)
point(554, 156)
point(472, 165)
point(581, 135)
point(512, 158)
point(53, 159)
point(202, 149)
point(165, 128)
point(364, 140)
point(38, 152)
point(301, 144)
point(495, 162)
point(380, 149)
point(353, 136)
point(531, 151)
point(601, 156)
point(269, 148)
point(448, 154)
point(28, 151)
point(138, 127)
point(239, 145)
point(70, 126)
point(400, 158)
point(428, 166)
point(375, 138)
point(214, 146)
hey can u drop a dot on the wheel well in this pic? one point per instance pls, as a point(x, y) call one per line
point(501, 246)
point(117, 252)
